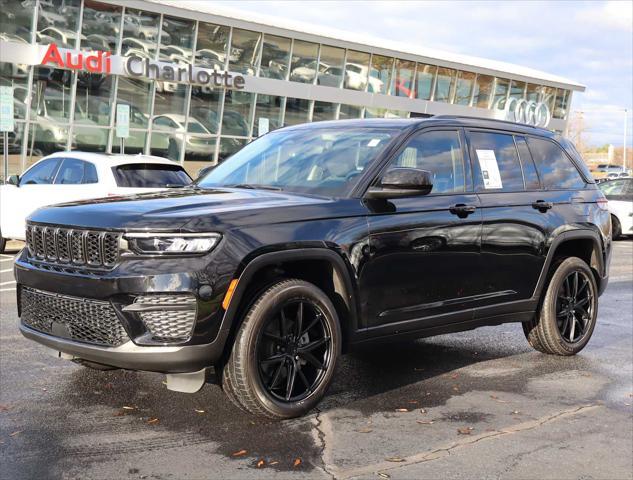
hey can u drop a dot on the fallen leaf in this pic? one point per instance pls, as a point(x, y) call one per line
point(273, 463)
point(465, 430)
point(198, 410)
point(454, 376)
point(515, 412)
point(403, 410)
point(424, 422)
point(456, 389)
point(120, 413)
point(260, 463)
point(413, 401)
point(627, 404)
point(383, 475)
point(239, 453)
point(395, 459)
point(44, 390)
point(4, 408)
point(125, 407)
point(297, 462)
point(365, 430)
point(153, 421)
point(15, 433)
point(423, 410)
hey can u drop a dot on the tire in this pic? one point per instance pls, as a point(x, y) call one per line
point(565, 321)
point(616, 228)
point(272, 345)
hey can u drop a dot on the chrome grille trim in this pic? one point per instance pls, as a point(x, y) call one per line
point(90, 249)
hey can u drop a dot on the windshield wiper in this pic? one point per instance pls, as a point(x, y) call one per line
point(253, 186)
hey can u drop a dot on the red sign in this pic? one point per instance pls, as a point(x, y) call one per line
point(96, 62)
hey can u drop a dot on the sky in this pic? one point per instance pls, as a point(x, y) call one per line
point(588, 42)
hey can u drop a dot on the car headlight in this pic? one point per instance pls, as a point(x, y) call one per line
point(172, 243)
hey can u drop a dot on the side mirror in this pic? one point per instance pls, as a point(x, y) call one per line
point(13, 180)
point(402, 182)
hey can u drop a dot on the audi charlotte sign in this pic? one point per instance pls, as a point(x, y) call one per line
point(135, 66)
point(524, 111)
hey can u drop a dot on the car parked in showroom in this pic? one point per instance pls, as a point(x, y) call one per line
point(72, 176)
point(314, 239)
point(619, 193)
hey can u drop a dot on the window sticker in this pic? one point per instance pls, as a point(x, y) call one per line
point(489, 169)
point(373, 142)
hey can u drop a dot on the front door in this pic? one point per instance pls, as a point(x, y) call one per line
point(424, 252)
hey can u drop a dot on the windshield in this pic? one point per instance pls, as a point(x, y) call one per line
point(319, 161)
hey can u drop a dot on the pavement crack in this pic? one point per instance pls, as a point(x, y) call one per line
point(321, 436)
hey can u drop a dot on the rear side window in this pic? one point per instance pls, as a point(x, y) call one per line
point(76, 172)
point(554, 166)
point(147, 175)
point(495, 158)
point(529, 170)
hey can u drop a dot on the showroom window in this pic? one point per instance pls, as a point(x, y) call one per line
point(402, 83)
point(347, 112)
point(205, 107)
point(275, 57)
point(562, 99)
point(501, 93)
point(58, 22)
point(100, 27)
point(517, 90)
point(324, 111)
point(245, 50)
point(140, 33)
point(375, 112)
point(16, 20)
point(549, 97)
point(424, 77)
point(464, 88)
point(238, 108)
point(94, 99)
point(136, 94)
point(483, 91)
point(176, 40)
point(228, 146)
point(444, 85)
point(303, 68)
point(533, 93)
point(331, 71)
point(381, 70)
point(356, 70)
point(268, 113)
point(212, 46)
point(297, 111)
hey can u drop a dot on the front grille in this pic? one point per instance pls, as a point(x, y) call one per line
point(80, 319)
point(172, 320)
point(71, 247)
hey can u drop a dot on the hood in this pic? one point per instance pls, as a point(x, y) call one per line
point(193, 210)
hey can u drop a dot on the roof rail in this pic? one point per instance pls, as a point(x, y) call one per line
point(466, 117)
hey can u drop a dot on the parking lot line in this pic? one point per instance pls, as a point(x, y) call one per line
point(7, 283)
point(7, 289)
point(7, 270)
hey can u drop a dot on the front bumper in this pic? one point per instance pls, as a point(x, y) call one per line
point(114, 292)
point(164, 359)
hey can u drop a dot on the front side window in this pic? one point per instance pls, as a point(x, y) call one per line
point(440, 153)
point(41, 174)
point(320, 161)
point(554, 166)
point(496, 160)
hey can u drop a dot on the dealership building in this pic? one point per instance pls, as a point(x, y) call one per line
point(281, 74)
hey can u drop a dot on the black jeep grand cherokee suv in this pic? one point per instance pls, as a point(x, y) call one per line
point(317, 237)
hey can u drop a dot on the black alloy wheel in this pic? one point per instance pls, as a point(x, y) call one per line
point(294, 350)
point(574, 306)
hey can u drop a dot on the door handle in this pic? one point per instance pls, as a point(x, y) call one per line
point(542, 206)
point(462, 210)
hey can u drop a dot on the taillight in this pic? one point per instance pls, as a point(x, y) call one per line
point(603, 204)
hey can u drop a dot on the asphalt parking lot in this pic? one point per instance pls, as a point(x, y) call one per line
point(478, 404)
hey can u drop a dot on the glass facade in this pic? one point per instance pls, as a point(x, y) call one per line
point(58, 109)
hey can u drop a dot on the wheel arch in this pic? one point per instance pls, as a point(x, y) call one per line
point(585, 244)
point(321, 266)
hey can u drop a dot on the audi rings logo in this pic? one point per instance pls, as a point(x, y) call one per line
point(528, 112)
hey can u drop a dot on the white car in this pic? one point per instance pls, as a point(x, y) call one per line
point(199, 142)
point(619, 193)
point(72, 176)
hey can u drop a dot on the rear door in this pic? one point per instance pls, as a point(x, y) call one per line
point(514, 232)
point(424, 257)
